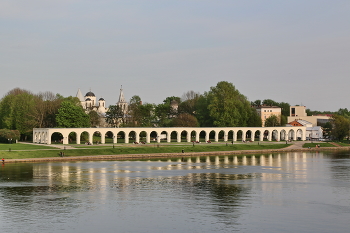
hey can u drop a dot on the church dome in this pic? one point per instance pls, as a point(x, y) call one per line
point(102, 99)
point(90, 94)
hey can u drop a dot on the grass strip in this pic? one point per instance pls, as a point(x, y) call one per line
point(20, 146)
point(134, 150)
point(313, 145)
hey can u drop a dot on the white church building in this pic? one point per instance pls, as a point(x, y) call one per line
point(90, 103)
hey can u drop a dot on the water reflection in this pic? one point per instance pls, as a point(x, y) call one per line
point(205, 194)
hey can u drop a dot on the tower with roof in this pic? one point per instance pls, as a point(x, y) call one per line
point(121, 102)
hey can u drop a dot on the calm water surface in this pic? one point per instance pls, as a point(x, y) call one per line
point(291, 192)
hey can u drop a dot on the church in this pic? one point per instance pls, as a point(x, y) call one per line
point(90, 103)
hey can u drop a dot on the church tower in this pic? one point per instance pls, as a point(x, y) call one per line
point(121, 102)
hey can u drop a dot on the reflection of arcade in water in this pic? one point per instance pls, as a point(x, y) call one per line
point(120, 175)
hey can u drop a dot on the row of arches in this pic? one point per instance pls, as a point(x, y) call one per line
point(148, 135)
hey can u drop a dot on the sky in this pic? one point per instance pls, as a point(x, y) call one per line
point(289, 51)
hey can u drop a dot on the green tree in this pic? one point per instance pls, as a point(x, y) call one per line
point(202, 112)
point(17, 110)
point(188, 102)
point(227, 106)
point(6, 134)
point(71, 115)
point(269, 102)
point(167, 110)
point(343, 112)
point(115, 116)
point(254, 119)
point(256, 103)
point(134, 111)
point(185, 120)
point(46, 108)
point(94, 118)
point(341, 127)
point(147, 117)
point(272, 121)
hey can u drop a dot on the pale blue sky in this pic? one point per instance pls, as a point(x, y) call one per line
point(291, 51)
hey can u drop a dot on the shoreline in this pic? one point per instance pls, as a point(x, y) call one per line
point(169, 155)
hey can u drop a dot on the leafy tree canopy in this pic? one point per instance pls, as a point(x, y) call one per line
point(340, 126)
point(272, 121)
point(227, 106)
point(115, 116)
point(71, 115)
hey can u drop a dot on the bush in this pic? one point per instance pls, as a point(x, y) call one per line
point(6, 134)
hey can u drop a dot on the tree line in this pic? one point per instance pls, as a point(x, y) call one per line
point(221, 106)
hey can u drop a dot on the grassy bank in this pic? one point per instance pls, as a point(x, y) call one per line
point(42, 151)
point(313, 145)
point(20, 146)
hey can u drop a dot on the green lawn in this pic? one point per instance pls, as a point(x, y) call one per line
point(20, 146)
point(139, 149)
point(343, 143)
point(313, 145)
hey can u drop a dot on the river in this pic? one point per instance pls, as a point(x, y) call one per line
point(286, 192)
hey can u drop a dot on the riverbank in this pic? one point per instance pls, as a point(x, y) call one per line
point(296, 147)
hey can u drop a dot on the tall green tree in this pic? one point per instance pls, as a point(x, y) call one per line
point(46, 108)
point(94, 118)
point(165, 111)
point(272, 121)
point(147, 117)
point(185, 120)
point(188, 102)
point(134, 111)
point(115, 116)
point(202, 112)
point(227, 106)
point(341, 126)
point(71, 115)
point(17, 110)
point(254, 119)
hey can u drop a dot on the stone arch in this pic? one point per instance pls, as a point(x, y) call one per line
point(153, 136)
point(221, 135)
point(291, 134)
point(258, 135)
point(231, 136)
point(283, 135)
point(299, 135)
point(267, 135)
point(194, 135)
point(185, 136)
point(108, 137)
point(212, 136)
point(275, 135)
point(84, 137)
point(73, 138)
point(120, 137)
point(132, 136)
point(97, 137)
point(202, 135)
point(239, 135)
point(56, 137)
point(173, 136)
point(249, 135)
point(143, 136)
